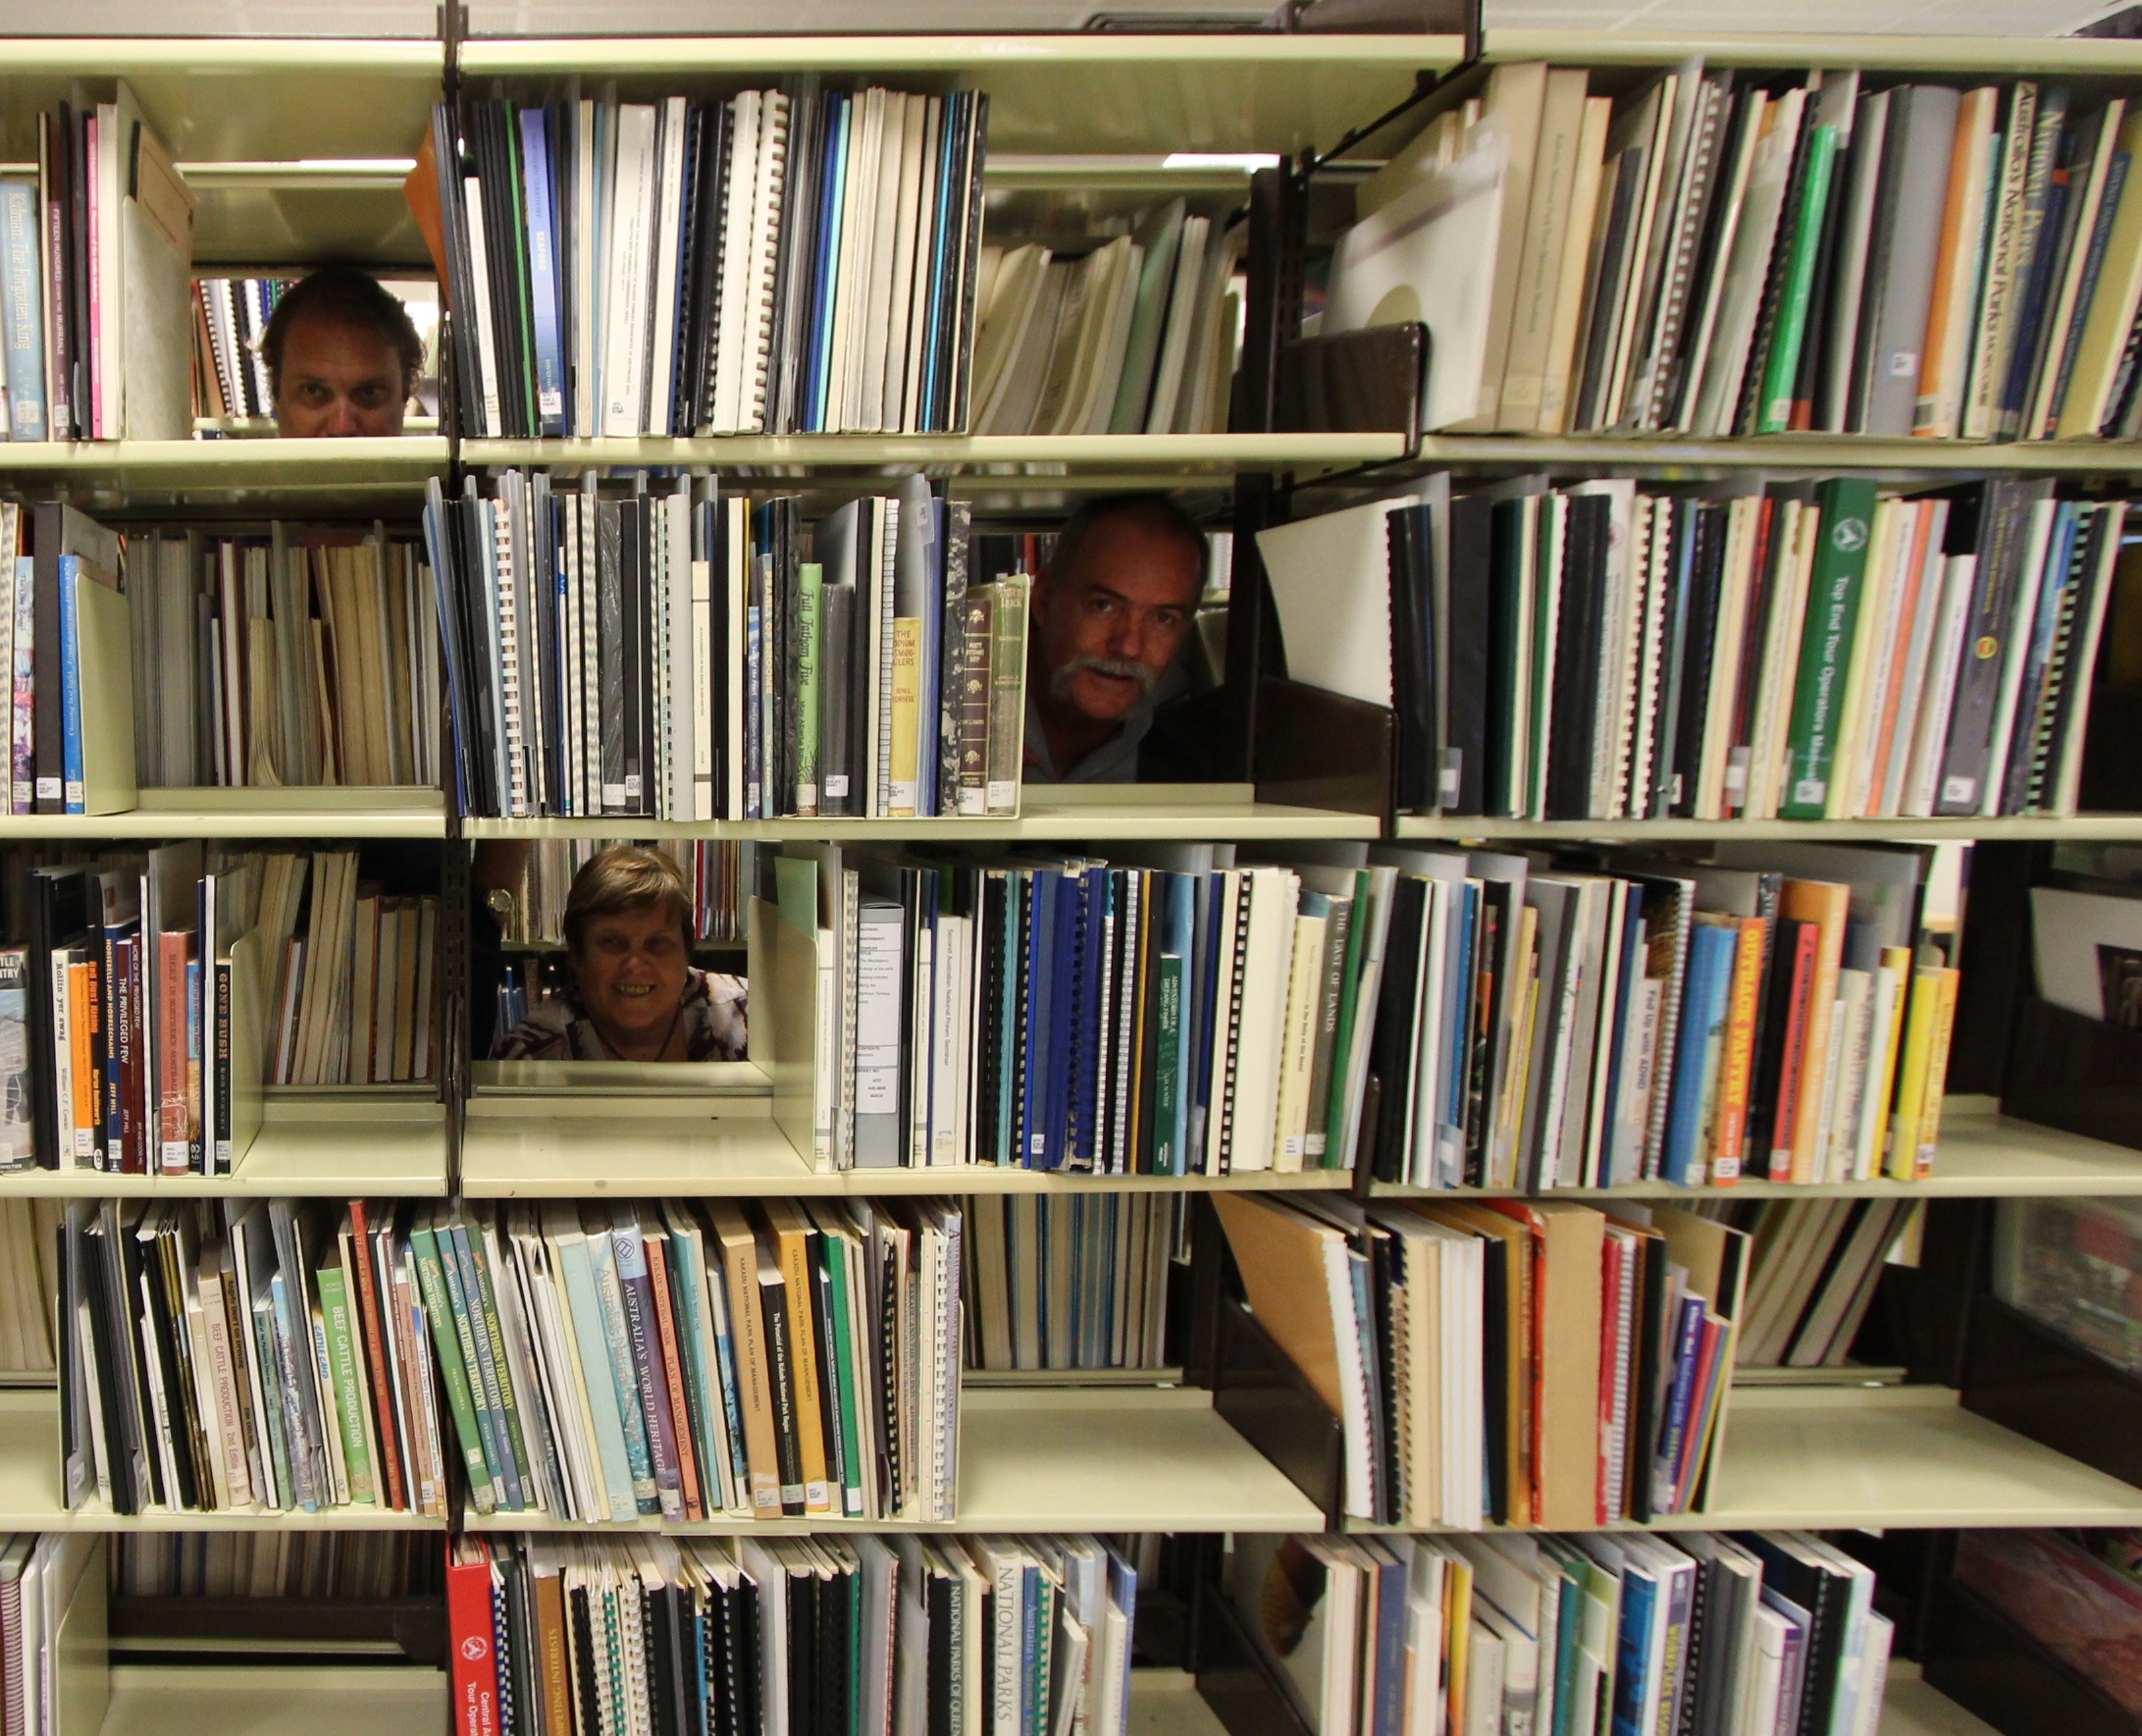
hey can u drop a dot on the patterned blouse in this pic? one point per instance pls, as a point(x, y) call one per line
point(559, 1028)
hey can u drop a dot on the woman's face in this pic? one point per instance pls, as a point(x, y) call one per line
point(631, 968)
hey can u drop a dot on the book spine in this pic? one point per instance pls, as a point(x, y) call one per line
point(170, 1060)
point(452, 1370)
point(1782, 367)
point(473, 1640)
point(974, 700)
point(20, 323)
point(348, 1391)
point(1832, 609)
point(643, 1335)
point(672, 1343)
point(1007, 693)
point(69, 686)
point(1739, 1070)
point(809, 684)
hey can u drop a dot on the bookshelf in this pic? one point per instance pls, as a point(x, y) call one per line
point(259, 123)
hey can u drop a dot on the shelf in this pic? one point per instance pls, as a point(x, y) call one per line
point(243, 97)
point(2072, 829)
point(1061, 814)
point(1786, 454)
point(1097, 91)
point(1058, 1458)
point(1982, 1155)
point(2000, 56)
point(334, 1145)
point(513, 1150)
point(1832, 1458)
point(312, 813)
point(1211, 454)
point(275, 1699)
point(1909, 1708)
point(281, 478)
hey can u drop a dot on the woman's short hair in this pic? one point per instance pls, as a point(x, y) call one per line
point(622, 878)
point(345, 295)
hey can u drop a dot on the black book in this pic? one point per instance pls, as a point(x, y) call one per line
point(1384, 1260)
point(709, 216)
point(940, 1595)
point(837, 1623)
point(590, 1706)
point(1773, 1018)
point(1489, 988)
point(718, 1710)
point(111, 1334)
point(1700, 1669)
point(2067, 675)
point(1577, 658)
point(1494, 1370)
point(634, 618)
point(517, 1662)
point(665, 1675)
point(834, 1399)
point(1391, 1042)
point(687, 314)
point(773, 1304)
point(1505, 601)
point(459, 288)
point(1696, 652)
point(162, 1412)
point(955, 519)
point(743, 1647)
point(1465, 656)
point(511, 311)
point(793, 259)
point(493, 189)
point(960, 335)
point(1000, 960)
point(892, 1468)
point(1644, 1419)
point(1602, 313)
point(547, 712)
point(1148, 1022)
point(485, 682)
point(80, 168)
point(1413, 654)
point(561, 132)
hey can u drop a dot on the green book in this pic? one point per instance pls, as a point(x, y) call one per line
point(487, 1301)
point(845, 1382)
point(1847, 506)
point(1336, 1154)
point(1167, 1071)
point(448, 1331)
point(810, 587)
point(1774, 413)
point(348, 1388)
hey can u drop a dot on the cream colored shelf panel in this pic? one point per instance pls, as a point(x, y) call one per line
point(1910, 1707)
point(2077, 829)
point(1836, 1457)
point(1982, 1155)
point(2016, 57)
point(1073, 91)
point(1056, 1458)
point(384, 811)
point(1217, 455)
point(1784, 452)
point(244, 97)
point(276, 1700)
point(340, 1146)
point(280, 477)
point(533, 1155)
point(1064, 813)
point(1167, 1703)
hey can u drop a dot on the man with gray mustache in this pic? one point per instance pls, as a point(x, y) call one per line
point(1116, 605)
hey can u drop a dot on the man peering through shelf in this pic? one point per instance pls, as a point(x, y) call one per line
point(1112, 612)
point(632, 994)
point(342, 356)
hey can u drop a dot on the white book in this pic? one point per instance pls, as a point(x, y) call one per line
point(494, 421)
point(1617, 617)
point(1730, 200)
point(686, 635)
point(588, 261)
point(1930, 735)
point(885, 288)
point(738, 212)
point(1878, 588)
point(1736, 581)
point(1424, 1091)
point(2065, 784)
point(767, 224)
point(1913, 682)
point(1747, 269)
point(2043, 406)
point(1181, 321)
point(1781, 650)
point(629, 275)
point(668, 240)
point(858, 209)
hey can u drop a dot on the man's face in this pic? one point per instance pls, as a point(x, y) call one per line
point(1110, 625)
point(631, 968)
point(340, 379)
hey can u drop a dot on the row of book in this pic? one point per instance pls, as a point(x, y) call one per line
point(783, 261)
point(1717, 252)
point(160, 990)
point(855, 1635)
point(230, 373)
point(1166, 1013)
point(1614, 651)
point(97, 255)
point(1514, 1362)
point(682, 1359)
point(1778, 1010)
point(298, 657)
point(39, 1576)
point(275, 1563)
point(686, 654)
point(1137, 337)
point(1762, 1633)
point(1813, 1270)
point(1070, 1280)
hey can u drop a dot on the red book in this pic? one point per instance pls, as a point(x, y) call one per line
point(470, 1631)
point(375, 1342)
point(657, 1272)
point(174, 1154)
point(1796, 1049)
point(1611, 1256)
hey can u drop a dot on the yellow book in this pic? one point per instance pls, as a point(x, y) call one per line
point(1918, 1042)
point(1304, 977)
point(906, 711)
point(1937, 1071)
point(1737, 1073)
point(1891, 977)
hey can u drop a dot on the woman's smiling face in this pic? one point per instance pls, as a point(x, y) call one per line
point(632, 968)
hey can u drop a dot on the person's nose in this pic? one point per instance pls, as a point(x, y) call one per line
point(342, 418)
point(1128, 639)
